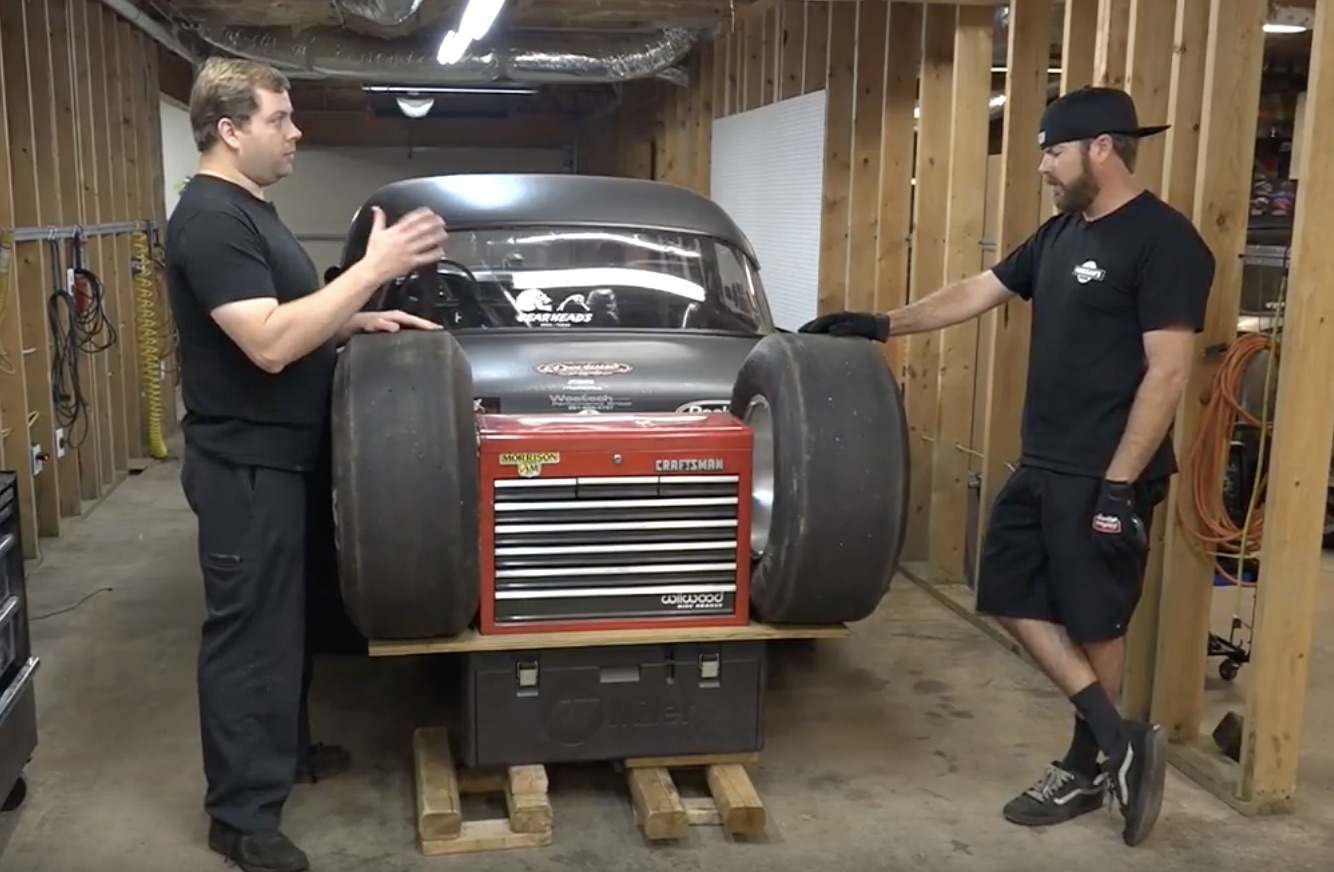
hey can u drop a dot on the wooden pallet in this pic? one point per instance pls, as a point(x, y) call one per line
point(441, 828)
point(660, 811)
point(664, 815)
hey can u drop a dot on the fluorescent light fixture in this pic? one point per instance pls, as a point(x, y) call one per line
point(1274, 27)
point(1050, 70)
point(413, 90)
point(473, 25)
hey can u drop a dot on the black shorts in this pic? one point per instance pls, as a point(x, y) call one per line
point(1039, 559)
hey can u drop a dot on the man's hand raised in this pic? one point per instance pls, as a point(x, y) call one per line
point(415, 240)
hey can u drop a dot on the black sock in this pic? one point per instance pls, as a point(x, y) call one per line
point(1083, 754)
point(1103, 719)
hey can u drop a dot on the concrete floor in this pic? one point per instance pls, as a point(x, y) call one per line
point(893, 749)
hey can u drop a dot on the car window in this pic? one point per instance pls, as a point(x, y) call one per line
point(572, 278)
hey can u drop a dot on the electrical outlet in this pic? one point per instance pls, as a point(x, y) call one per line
point(37, 464)
point(61, 445)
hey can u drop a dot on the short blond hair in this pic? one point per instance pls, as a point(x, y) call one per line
point(225, 88)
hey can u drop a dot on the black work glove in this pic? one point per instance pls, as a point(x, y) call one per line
point(1118, 530)
point(865, 324)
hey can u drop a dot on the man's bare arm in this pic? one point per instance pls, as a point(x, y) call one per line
point(1170, 354)
point(952, 304)
point(274, 335)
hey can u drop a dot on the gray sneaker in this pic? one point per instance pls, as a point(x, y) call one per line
point(1058, 796)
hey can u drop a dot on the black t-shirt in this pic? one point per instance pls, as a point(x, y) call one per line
point(1096, 287)
point(224, 244)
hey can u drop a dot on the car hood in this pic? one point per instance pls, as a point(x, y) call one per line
point(531, 371)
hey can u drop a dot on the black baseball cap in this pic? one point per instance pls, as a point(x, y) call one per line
point(1089, 112)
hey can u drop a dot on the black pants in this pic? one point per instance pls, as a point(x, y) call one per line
point(254, 666)
point(1039, 559)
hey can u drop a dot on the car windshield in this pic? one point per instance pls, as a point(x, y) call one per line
point(571, 278)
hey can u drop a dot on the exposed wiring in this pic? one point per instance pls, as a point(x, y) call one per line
point(35, 618)
point(76, 312)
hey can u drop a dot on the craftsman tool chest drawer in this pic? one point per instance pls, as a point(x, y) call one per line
point(18, 703)
point(560, 705)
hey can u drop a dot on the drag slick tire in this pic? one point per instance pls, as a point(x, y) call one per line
point(830, 491)
point(406, 485)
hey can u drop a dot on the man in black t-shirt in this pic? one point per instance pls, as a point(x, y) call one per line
point(1118, 282)
point(258, 335)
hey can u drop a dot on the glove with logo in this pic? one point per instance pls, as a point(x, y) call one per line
point(867, 325)
point(1118, 530)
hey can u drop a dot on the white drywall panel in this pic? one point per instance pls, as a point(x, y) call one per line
point(767, 171)
point(179, 155)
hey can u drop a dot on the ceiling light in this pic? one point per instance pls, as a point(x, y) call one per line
point(415, 107)
point(476, 20)
point(1274, 27)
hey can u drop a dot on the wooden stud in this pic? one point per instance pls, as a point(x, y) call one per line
point(867, 124)
point(71, 415)
point(819, 18)
point(1149, 79)
point(1298, 472)
point(1221, 212)
point(94, 442)
point(835, 219)
point(965, 218)
point(27, 83)
point(1109, 62)
point(792, 67)
point(1079, 44)
point(927, 270)
point(13, 385)
point(128, 63)
point(1020, 213)
point(110, 194)
point(898, 142)
point(1156, 59)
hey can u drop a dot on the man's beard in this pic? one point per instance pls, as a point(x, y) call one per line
point(1076, 196)
point(1079, 194)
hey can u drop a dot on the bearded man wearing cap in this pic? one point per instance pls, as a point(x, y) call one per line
point(1118, 282)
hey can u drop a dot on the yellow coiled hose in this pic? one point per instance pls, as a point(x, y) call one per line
point(150, 352)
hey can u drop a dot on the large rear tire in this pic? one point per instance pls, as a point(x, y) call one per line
point(830, 505)
point(406, 485)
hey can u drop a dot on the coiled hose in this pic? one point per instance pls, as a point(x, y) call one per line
point(150, 352)
point(1217, 534)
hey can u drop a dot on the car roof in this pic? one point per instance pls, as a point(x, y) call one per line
point(472, 201)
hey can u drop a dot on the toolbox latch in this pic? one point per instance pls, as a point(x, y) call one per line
point(709, 667)
point(525, 673)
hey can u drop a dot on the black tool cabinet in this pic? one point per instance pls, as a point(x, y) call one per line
point(18, 701)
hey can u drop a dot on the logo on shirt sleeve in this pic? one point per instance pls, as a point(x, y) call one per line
point(1089, 271)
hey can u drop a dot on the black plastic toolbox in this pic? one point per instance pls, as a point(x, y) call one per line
point(18, 704)
point(561, 705)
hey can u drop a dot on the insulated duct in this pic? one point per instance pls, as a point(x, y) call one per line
point(334, 54)
point(387, 13)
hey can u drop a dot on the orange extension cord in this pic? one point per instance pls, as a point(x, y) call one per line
point(1216, 532)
